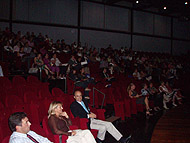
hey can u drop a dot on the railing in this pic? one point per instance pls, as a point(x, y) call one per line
point(101, 93)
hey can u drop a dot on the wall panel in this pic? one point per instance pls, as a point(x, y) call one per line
point(92, 15)
point(51, 11)
point(143, 22)
point(4, 7)
point(3, 25)
point(103, 39)
point(162, 25)
point(180, 47)
point(116, 18)
point(181, 29)
point(151, 44)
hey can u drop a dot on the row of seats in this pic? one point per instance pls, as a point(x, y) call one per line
point(33, 97)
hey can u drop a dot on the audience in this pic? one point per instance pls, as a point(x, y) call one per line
point(136, 66)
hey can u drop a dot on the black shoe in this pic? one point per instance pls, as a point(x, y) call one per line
point(98, 140)
point(125, 140)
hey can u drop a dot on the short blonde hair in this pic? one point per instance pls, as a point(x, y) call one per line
point(52, 107)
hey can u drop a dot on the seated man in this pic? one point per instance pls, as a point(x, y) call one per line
point(80, 109)
point(107, 77)
point(20, 126)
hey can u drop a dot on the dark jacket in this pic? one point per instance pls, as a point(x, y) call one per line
point(78, 111)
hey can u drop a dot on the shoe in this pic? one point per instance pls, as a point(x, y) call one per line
point(108, 85)
point(155, 109)
point(174, 104)
point(165, 107)
point(158, 108)
point(125, 140)
point(148, 113)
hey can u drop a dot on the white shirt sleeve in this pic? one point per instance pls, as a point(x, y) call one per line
point(22, 138)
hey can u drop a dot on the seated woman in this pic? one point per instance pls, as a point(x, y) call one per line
point(155, 96)
point(51, 66)
point(59, 123)
point(140, 99)
point(177, 93)
point(167, 95)
point(38, 62)
point(56, 62)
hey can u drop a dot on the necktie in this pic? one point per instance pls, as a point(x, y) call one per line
point(31, 138)
point(82, 103)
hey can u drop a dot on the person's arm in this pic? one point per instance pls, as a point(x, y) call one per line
point(53, 125)
point(35, 62)
point(65, 115)
point(58, 62)
point(130, 94)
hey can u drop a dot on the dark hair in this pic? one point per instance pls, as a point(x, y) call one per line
point(143, 85)
point(16, 120)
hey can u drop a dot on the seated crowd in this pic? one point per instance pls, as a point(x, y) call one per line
point(146, 77)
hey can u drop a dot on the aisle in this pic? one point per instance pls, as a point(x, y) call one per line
point(173, 126)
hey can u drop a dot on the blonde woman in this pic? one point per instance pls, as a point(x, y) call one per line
point(59, 123)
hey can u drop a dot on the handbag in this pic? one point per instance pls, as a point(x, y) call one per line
point(33, 70)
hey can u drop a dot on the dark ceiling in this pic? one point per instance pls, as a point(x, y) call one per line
point(174, 7)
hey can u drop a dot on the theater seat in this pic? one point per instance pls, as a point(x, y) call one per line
point(6, 139)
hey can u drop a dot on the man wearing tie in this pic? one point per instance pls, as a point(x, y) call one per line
point(80, 109)
point(20, 126)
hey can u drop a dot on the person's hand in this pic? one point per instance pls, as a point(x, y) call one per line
point(73, 133)
point(64, 114)
point(137, 96)
point(92, 115)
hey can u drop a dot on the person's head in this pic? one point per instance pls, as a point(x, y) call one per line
point(19, 122)
point(144, 85)
point(78, 95)
point(55, 108)
point(151, 85)
point(82, 70)
point(104, 70)
point(131, 87)
point(21, 49)
point(72, 57)
point(167, 83)
point(162, 82)
point(46, 56)
point(18, 44)
point(39, 55)
point(54, 55)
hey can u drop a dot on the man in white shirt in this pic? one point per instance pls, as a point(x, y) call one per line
point(20, 126)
